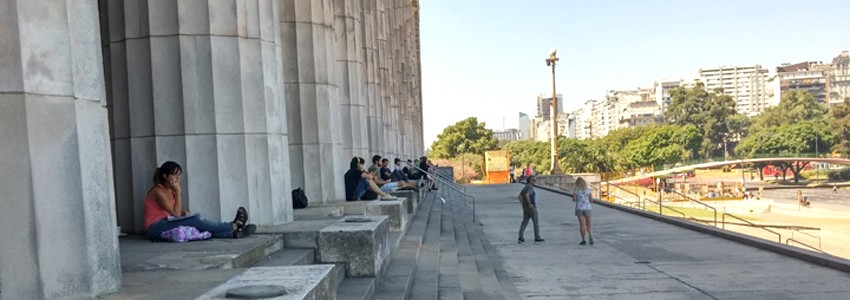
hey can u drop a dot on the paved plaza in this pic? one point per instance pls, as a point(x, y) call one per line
point(638, 258)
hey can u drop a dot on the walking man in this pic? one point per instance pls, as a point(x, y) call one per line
point(528, 199)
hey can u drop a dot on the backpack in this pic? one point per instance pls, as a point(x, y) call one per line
point(299, 199)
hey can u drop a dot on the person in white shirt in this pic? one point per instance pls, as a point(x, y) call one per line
point(582, 197)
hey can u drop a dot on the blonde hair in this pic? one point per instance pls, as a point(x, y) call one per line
point(580, 184)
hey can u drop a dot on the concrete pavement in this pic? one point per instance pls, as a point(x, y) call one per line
point(638, 258)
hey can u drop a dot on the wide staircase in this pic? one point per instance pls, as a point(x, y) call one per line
point(445, 255)
point(425, 246)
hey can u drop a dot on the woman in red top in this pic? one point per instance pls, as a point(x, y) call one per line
point(163, 201)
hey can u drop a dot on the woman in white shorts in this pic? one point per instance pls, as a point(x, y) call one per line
point(581, 196)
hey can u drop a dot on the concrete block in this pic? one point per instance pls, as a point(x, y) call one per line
point(412, 195)
point(198, 100)
point(314, 282)
point(395, 210)
point(362, 247)
point(227, 84)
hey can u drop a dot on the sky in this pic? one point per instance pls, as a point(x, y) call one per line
point(486, 58)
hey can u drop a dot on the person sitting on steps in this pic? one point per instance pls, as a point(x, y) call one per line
point(386, 185)
point(360, 185)
point(163, 201)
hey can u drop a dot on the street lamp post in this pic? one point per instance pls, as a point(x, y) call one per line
point(817, 165)
point(556, 168)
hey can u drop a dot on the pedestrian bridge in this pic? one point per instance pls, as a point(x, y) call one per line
point(714, 164)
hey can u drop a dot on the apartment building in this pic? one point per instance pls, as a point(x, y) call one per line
point(748, 85)
point(544, 105)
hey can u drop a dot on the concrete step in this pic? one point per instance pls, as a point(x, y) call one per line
point(496, 282)
point(450, 282)
point(399, 276)
point(288, 257)
point(426, 276)
point(299, 234)
point(138, 254)
point(356, 289)
point(470, 278)
point(318, 212)
point(490, 285)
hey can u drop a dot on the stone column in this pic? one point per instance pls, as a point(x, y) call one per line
point(352, 78)
point(59, 238)
point(200, 83)
point(312, 98)
point(373, 80)
point(385, 88)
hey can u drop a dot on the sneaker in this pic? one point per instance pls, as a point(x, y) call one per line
point(520, 241)
point(388, 197)
point(591, 240)
point(539, 240)
point(582, 243)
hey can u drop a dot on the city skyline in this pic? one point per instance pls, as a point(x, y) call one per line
point(505, 64)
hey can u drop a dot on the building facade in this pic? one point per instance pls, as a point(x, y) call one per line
point(839, 78)
point(524, 127)
point(253, 98)
point(746, 84)
point(508, 135)
point(544, 106)
point(810, 77)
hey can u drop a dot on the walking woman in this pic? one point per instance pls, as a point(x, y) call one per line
point(164, 209)
point(582, 198)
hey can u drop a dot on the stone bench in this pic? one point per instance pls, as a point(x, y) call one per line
point(395, 210)
point(362, 247)
point(409, 194)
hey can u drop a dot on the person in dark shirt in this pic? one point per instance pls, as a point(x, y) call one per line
point(528, 199)
point(360, 185)
point(399, 174)
point(386, 174)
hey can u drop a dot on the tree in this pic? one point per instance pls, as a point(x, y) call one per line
point(467, 136)
point(711, 112)
point(787, 140)
point(794, 107)
point(839, 123)
point(529, 152)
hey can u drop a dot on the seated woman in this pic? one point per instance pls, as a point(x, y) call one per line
point(163, 201)
point(360, 185)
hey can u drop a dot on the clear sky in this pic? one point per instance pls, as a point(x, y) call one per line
point(485, 58)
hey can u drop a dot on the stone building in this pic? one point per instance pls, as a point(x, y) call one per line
point(253, 98)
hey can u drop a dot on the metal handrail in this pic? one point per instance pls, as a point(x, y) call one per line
point(695, 200)
point(751, 223)
point(808, 234)
point(625, 190)
point(451, 184)
point(789, 240)
point(664, 206)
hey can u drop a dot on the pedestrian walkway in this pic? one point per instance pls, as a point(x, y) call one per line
point(638, 258)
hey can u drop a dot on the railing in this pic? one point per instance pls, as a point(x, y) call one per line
point(661, 208)
point(789, 240)
point(438, 178)
point(695, 201)
point(806, 234)
point(627, 191)
point(751, 225)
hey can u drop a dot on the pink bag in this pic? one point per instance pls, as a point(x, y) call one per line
point(183, 234)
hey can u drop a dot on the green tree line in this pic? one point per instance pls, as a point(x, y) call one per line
point(700, 125)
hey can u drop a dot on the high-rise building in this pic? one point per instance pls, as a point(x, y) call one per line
point(807, 76)
point(544, 106)
point(839, 78)
point(747, 85)
point(662, 90)
point(524, 126)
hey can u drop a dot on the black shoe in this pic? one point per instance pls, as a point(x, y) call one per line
point(243, 232)
point(582, 243)
point(539, 240)
point(520, 241)
point(434, 188)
